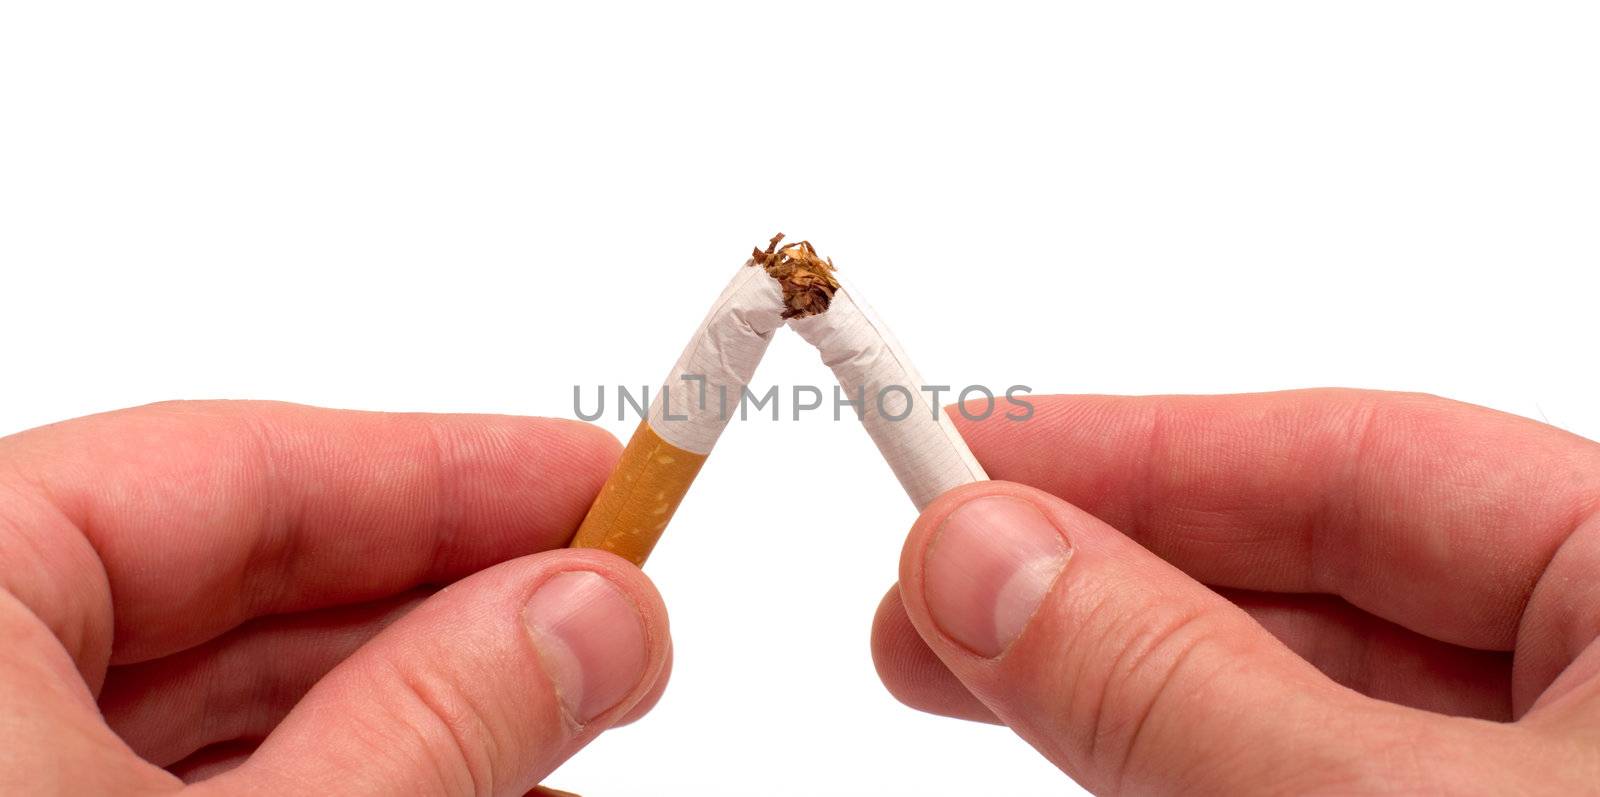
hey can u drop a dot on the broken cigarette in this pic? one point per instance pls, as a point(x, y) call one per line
point(794, 285)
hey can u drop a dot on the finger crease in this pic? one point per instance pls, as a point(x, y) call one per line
point(1185, 652)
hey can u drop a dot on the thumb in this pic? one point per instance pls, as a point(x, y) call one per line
point(484, 688)
point(52, 738)
point(1119, 668)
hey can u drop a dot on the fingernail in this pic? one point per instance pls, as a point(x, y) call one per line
point(590, 638)
point(987, 570)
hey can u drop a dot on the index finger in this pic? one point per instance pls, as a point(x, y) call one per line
point(1436, 515)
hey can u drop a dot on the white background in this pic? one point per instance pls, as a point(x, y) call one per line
point(474, 208)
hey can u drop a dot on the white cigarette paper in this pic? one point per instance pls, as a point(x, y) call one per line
point(691, 412)
point(916, 438)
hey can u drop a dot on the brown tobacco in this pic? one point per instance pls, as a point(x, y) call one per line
point(807, 279)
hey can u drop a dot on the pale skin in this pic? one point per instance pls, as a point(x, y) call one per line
point(1280, 593)
point(248, 595)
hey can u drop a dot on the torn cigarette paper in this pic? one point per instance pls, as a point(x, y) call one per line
point(696, 401)
point(916, 438)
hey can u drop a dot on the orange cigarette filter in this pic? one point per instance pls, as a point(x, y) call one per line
point(639, 499)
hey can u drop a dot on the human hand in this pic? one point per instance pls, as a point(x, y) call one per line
point(1336, 591)
point(250, 591)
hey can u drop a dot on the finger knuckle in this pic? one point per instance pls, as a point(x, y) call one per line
point(458, 743)
point(1154, 667)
